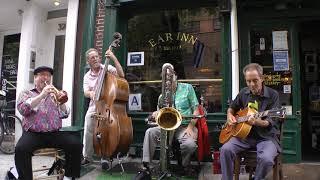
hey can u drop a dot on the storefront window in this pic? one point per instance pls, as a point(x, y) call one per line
point(270, 49)
point(9, 69)
point(189, 39)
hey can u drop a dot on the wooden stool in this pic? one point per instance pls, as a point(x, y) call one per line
point(53, 152)
point(57, 153)
point(250, 160)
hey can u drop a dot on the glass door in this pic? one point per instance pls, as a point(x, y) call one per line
point(272, 47)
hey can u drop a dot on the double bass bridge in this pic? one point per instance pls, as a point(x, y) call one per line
point(99, 117)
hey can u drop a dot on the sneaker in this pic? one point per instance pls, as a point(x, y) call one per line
point(85, 162)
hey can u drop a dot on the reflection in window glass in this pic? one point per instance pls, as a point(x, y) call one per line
point(189, 39)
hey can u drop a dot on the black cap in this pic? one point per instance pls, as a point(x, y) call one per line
point(43, 68)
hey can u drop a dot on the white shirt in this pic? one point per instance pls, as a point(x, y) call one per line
point(90, 80)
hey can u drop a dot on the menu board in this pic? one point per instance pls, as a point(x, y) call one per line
point(9, 70)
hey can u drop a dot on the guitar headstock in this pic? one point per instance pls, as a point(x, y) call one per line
point(280, 113)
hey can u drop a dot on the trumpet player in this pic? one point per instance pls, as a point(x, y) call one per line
point(186, 102)
point(42, 119)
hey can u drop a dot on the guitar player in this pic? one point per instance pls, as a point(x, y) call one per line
point(263, 134)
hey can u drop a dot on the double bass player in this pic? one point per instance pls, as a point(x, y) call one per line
point(90, 82)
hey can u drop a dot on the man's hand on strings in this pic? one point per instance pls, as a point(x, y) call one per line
point(231, 120)
point(251, 120)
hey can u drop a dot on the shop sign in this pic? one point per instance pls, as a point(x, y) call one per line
point(164, 41)
point(272, 79)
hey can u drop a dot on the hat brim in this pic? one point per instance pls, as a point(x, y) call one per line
point(43, 68)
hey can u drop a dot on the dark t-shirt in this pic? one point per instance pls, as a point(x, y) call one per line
point(268, 100)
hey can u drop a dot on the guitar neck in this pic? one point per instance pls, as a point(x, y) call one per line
point(256, 115)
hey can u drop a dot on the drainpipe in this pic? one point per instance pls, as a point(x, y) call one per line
point(234, 50)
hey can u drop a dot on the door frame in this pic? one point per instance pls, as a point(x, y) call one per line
point(291, 142)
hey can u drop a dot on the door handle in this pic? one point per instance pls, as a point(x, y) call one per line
point(298, 113)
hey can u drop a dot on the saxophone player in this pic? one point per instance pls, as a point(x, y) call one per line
point(185, 101)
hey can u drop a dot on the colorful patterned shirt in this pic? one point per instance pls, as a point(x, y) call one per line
point(185, 101)
point(45, 117)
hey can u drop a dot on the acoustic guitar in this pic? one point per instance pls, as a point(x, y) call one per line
point(241, 129)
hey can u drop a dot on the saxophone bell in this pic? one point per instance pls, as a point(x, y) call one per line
point(169, 118)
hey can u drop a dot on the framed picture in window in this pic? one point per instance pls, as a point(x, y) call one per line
point(135, 59)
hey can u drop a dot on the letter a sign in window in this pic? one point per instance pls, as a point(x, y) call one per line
point(134, 102)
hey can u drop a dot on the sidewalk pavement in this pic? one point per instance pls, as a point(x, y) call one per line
point(307, 171)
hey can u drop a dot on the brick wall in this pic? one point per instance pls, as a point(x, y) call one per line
point(98, 38)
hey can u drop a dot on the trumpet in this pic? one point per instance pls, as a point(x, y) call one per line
point(60, 96)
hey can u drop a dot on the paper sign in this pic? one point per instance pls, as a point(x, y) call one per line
point(134, 102)
point(135, 59)
point(280, 61)
point(288, 110)
point(262, 44)
point(287, 89)
point(280, 40)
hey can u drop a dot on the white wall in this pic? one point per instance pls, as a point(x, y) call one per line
point(46, 41)
point(33, 16)
point(31, 35)
point(37, 34)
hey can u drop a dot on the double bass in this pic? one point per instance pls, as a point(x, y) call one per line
point(113, 130)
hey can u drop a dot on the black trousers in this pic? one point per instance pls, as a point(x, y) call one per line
point(31, 141)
